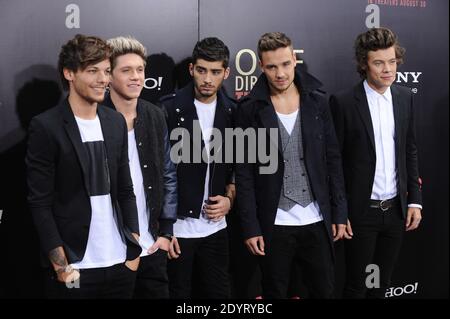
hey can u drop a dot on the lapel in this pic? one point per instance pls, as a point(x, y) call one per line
point(223, 111)
point(269, 120)
point(187, 114)
point(363, 108)
point(396, 104)
point(222, 116)
point(266, 110)
point(108, 131)
point(71, 127)
point(308, 122)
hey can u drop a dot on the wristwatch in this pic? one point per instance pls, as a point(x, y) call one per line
point(166, 235)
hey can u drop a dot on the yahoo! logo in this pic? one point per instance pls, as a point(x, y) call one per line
point(153, 83)
point(398, 291)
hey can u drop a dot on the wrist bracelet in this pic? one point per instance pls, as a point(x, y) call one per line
point(231, 200)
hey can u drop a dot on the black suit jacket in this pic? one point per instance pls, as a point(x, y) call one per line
point(57, 181)
point(258, 194)
point(181, 113)
point(355, 133)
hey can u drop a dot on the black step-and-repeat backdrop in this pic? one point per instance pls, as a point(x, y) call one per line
point(323, 31)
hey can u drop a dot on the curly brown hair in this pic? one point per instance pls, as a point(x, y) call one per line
point(81, 52)
point(373, 40)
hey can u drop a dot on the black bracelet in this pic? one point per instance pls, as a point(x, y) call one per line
point(231, 200)
point(166, 235)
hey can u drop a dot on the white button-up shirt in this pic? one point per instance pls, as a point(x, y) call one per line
point(382, 114)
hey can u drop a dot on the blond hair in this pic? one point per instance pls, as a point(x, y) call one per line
point(125, 45)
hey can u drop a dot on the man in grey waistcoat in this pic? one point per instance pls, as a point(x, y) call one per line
point(294, 214)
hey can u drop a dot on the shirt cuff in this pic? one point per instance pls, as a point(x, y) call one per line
point(415, 205)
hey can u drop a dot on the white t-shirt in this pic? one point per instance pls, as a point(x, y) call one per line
point(297, 215)
point(145, 239)
point(105, 246)
point(201, 227)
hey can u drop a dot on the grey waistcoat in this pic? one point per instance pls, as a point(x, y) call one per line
point(296, 189)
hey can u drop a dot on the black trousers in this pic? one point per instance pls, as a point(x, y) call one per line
point(203, 264)
point(376, 240)
point(115, 282)
point(307, 246)
point(152, 281)
point(245, 273)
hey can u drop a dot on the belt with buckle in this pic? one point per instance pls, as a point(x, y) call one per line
point(384, 205)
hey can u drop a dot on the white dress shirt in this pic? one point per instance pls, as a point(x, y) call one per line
point(382, 114)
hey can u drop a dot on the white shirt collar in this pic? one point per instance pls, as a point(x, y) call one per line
point(374, 94)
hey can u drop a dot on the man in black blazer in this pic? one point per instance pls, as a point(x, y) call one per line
point(291, 215)
point(374, 122)
point(80, 191)
point(198, 253)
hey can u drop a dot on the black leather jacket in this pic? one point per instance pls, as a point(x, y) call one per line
point(181, 113)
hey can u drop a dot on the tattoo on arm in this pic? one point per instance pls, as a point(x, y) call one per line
point(57, 257)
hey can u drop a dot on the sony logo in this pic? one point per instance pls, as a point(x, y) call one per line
point(406, 76)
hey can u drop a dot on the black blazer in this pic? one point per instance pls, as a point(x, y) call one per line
point(258, 195)
point(354, 130)
point(57, 181)
point(181, 112)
